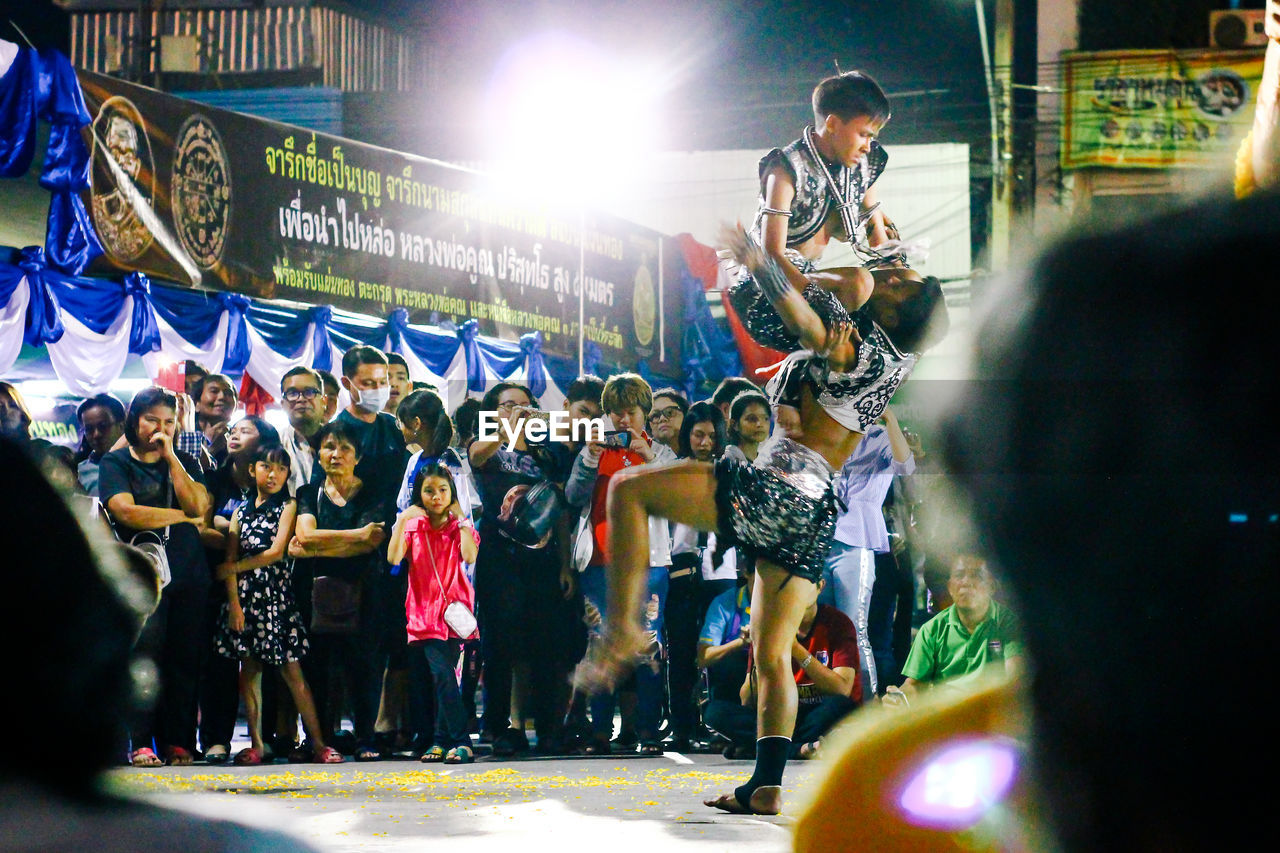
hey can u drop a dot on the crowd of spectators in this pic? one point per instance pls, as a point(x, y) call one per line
point(315, 570)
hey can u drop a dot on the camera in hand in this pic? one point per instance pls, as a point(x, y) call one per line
point(617, 438)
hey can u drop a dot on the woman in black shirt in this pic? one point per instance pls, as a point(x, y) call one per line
point(150, 486)
point(342, 525)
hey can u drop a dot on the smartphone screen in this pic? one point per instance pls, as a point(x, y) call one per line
point(618, 438)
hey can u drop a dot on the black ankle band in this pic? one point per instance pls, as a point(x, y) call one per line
point(771, 760)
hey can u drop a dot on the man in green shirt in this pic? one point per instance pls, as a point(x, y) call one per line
point(963, 639)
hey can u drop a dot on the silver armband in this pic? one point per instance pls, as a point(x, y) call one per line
point(773, 211)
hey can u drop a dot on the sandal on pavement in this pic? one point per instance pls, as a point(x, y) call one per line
point(433, 755)
point(650, 747)
point(176, 756)
point(216, 754)
point(248, 757)
point(459, 755)
point(598, 746)
point(367, 753)
point(328, 755)
point(145, 757)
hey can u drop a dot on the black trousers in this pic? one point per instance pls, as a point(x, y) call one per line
point(219, 681)
point(431, 673)
point(175, 638)
point(524, 618)
point(357, 660)
point(688, 598)
point(738, 722)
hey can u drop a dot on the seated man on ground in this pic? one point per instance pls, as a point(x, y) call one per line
point(824, 660)
point(722, 650)
point(960, 642)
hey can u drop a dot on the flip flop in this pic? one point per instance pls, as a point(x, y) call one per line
point(328, 755)
point(216, 754)
point(248, 757)
point(176, 756)
point(145, 757)
point(809, 751)
point(459, 755)
point(433, 755)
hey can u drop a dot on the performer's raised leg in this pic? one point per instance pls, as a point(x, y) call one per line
point(683, 493)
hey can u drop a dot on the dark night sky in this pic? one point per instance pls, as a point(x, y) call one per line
point(745, 69)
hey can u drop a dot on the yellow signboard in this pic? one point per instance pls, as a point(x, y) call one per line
point(1157, 109)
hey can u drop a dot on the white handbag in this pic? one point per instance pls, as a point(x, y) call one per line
point(584, 540)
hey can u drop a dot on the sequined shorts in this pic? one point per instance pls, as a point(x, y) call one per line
point(761, 319)
point(782, 509)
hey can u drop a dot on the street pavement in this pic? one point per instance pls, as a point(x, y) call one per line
point(611, 803)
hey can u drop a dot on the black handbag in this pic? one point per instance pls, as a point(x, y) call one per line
point(533, 515)
point(335, 606)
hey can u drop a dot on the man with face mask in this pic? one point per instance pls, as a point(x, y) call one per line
point(383, 459)
point(383, 455)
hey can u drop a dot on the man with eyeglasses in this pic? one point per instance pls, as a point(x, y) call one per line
point(667, 416)
point(302, 395)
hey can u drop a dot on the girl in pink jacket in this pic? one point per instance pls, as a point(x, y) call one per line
point(437, 539)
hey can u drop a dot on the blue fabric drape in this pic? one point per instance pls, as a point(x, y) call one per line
point(70, 242)
point(503, 357)
point(193, 314)
point(434, 349)
point(282, 329)
point(322, 351)
point(238, 347)
point(708, 351)
point(19, 106)
point(348, 330)
point(563, 370)
point(534, 370)
point(44, 320)
point(144, 336)
point(592, 355)
point(468, 335)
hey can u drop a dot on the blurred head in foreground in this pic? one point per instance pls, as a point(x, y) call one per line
point(1107, 445)
point(80, 604)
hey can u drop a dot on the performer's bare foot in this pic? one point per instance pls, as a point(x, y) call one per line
point(767, 799)
point(608, 660)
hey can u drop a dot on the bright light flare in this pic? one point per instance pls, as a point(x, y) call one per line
point(957, 786)
point(568, 123)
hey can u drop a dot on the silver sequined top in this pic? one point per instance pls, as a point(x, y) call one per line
point(814, 200)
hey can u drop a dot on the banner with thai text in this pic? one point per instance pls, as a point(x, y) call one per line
point(1157, 109)
point(221, 200)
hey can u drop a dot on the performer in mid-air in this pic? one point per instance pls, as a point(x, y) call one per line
point(781, 509)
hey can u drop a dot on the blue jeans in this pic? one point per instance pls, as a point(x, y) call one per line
point(850, 575)
point(650, 684)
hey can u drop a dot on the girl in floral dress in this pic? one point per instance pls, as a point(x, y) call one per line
point(261, 624)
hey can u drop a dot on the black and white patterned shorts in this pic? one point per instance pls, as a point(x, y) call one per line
point(766, 514)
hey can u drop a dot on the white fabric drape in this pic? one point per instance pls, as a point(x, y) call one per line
point(87, 362)
point(13, 323)
point(175, 348)
point(268, 367)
